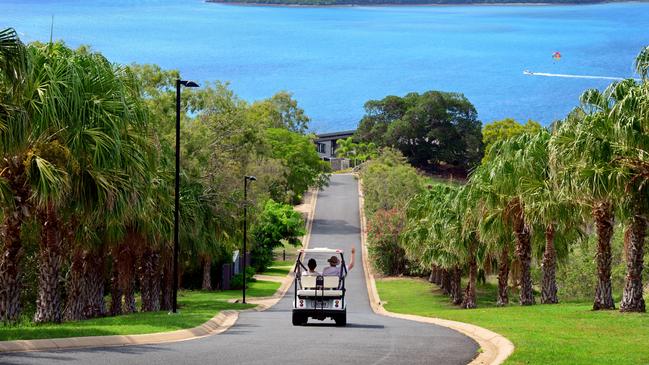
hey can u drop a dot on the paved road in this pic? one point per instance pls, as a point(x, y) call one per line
point(269, 337)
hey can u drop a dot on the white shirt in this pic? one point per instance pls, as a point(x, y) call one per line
point(310, 273)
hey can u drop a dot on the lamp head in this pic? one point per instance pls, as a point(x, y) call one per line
point(251, 178)
point(187, 83)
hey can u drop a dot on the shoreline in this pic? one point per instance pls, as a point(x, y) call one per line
point(287, 5)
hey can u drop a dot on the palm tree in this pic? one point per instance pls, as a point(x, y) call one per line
point(629, 112)
point(494, 230)
point(13, 188)
point(98, 143)
point(546, 209)
point(507, 198)
point(431, 234)
point(347, 149)
point(469, 207)
point(582, 154)
point(32, 174)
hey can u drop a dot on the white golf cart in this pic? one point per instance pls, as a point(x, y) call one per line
point(318, 296)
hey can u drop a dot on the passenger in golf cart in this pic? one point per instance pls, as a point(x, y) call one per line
point(334, 269)
point(320, 296)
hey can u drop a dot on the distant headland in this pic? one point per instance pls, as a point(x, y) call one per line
point(307, 3)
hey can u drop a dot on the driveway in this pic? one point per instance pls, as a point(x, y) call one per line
point(269, 337)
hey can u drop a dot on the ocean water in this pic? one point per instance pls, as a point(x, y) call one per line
point(335, 59)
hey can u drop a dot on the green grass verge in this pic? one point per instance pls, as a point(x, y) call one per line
point(566, 333)
point(195, 307)
point(278, 270)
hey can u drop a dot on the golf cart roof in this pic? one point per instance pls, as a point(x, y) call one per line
point(320, 250)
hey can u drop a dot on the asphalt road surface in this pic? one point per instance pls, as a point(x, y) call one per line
point(269, 337)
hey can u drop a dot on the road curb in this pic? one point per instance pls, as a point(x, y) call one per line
point(495, 348)
point(217, 324)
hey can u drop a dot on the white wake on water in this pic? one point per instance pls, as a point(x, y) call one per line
point(529, 73)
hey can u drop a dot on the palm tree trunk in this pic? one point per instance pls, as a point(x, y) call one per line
point(167, 282)
point(10, 255)
point(93, 288)
point(126, 267)
point(445, 282)
point(48, 302)
point(503, 277)
point(632, 300)
point(603, 216)
point(75, 303)
point(524, 253)
point(549, 267)
point(115, 287)
point(456, 286)
point(150, 280)
point(469, 301)
point(207, 275)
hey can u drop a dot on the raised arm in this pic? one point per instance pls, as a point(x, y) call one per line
point(351, 263)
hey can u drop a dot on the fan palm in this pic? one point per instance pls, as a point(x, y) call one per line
point(431, 234)
point(100, 125)
point(546, 209)
point(632, 148)
point(494, 230)
point(32, 169)
point(502, 180)
point(582, 153)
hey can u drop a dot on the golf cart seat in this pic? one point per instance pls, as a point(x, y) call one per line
point(329, 282)
point(331, 293)
point(329, 287)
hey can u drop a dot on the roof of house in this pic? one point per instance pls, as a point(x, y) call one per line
point(334, 135)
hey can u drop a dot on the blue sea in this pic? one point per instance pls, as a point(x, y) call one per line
point(335, 59)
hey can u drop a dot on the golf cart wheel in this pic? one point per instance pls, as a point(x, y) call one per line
point(299, 319)
point(341, 319)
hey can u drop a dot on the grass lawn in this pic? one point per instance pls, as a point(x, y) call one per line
point(279, 268)
point(195, 308)
point(567, 333)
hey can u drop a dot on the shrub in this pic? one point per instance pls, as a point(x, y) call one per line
point(277, 223)
point(389, 181)
point(384, 228)
point(237, 280)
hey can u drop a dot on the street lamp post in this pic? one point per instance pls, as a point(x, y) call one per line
point(179, 83)
point(245, 228)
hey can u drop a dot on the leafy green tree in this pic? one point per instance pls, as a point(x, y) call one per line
point(281, 111)
point(505, 129)
point(278, 223)
point(304, 166)
point(430, 129)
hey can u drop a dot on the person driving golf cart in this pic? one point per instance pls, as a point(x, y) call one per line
point(311, 265)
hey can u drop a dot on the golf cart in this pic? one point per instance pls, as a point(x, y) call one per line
point(318, 296)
